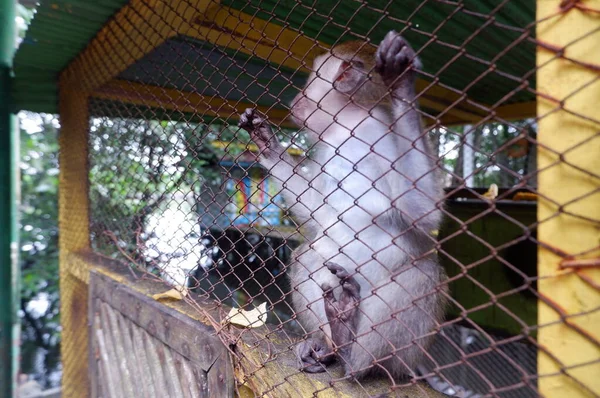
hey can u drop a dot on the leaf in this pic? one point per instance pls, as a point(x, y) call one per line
point(491, 193)
point(527, 196)
point(251, 319)
point(173, 294)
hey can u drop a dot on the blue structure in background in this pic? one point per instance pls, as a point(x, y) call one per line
point(253, 198)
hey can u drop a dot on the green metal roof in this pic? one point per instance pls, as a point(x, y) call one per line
point(466, 39)
point(60, 30)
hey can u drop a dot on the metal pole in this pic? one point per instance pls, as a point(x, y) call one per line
point(9, 287)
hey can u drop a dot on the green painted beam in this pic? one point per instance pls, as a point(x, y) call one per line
point(9, 286)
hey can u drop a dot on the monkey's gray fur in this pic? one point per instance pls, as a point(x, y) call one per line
point(367, 285)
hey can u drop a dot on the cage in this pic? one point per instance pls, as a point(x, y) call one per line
point(160, 189)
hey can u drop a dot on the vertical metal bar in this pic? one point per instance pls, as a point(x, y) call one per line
point(568, 210)
point(9, 198)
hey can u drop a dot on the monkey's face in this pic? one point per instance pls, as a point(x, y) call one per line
point(340, 82)
point(319, 102)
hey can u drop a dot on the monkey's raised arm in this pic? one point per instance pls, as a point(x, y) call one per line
point(295, 186)
point(395, 61)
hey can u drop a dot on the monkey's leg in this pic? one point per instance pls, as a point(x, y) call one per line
point(343, 313)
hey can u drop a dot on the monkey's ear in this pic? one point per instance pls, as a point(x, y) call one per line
point(350, 76)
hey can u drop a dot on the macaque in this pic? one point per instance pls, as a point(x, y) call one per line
point(367, 286)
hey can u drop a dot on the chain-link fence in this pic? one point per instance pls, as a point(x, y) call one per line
point(403, 223)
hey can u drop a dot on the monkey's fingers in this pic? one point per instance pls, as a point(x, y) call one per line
point(401, 61)
point(337, 270)
point(331, 309)
point(382, 50)
point(383, 46)
point(394, 56)
point(395, 46)
point(245, 118)
point(257, 121)
point(351, 290)
point(327, 291)
point(348, 302)
point(263, 132)
point(313, 354)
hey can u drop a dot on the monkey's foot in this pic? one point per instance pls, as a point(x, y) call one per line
point(342, 313)
point(314, 355)
point(260, 132)
point(394, 57)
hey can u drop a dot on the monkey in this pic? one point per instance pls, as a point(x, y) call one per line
point(366, 286)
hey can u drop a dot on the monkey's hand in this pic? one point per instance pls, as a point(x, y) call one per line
point(396, 61)
point(261, 133)
point(343, 313)
point(314, 354)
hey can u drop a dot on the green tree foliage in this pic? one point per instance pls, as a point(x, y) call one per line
point(138, 165)
point(39, 244)
point(502, 154)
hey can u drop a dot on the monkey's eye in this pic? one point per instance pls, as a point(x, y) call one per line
point(349, 68)
point(358, 64)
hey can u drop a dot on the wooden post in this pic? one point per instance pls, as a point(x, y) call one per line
point(74, 237)
point(569, 201)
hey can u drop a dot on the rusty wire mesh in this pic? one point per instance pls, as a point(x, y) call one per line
point(176, 191)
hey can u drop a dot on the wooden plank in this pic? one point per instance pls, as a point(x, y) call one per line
point(170, 327)
point(94, 352)
point(74, 236)
point(118, 368)
point(110, 372)
point(191, 382)
point(164, 340)
point(134, 361)
point(133, 32)
point(264, 360)
point(171, 375)
point(226, 145)
point(144, 362)
point(236, 30)
point(185, 102)
point(152, 353)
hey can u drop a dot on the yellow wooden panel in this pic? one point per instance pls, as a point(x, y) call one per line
point(135, 30)
point(171, 99)
point(273, 43)
point(74, 237)
point(568, 361)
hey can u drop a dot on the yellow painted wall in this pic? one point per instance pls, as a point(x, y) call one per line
point(569, 200)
